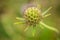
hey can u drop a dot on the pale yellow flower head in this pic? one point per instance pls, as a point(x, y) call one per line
point(32, 15)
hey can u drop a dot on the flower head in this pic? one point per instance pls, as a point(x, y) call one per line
point(32, 16)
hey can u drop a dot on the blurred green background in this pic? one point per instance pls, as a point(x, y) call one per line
point(10, 9)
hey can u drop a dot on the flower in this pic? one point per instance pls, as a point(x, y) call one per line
point(32, 17)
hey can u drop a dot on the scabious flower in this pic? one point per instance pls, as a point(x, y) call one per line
point(32, 17)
